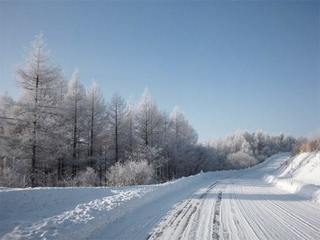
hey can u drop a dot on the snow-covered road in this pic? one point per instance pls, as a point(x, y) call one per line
point(222, 205)
point(241, 208)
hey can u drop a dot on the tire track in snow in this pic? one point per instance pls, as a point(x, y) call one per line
point(196, 209)
point(293, 213)
point(179, 214)
point(284, 214)
point(216, 217)
point(263, 206)
point(178, 222)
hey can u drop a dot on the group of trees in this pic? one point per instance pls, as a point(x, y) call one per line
point(244, 149)
point(307, 145)
point(60, 133)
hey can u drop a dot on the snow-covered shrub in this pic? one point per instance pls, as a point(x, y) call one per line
point(130, 173)
point(86, 178)
point(153, 156)
point(241, 160)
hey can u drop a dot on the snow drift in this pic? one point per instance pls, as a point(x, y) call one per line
point(299, 174)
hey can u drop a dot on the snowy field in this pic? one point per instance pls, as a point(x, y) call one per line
point(244, 204)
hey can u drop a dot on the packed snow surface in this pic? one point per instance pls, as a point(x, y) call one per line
point(215, 205)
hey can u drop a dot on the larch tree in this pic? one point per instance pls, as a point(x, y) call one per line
point(183, 136)
point(56, 128)
point(148, 119)
point(7, 136)
point(131, 141)
point(96, 116)
point(117, 114)
point(75, 108)
point(38, 79)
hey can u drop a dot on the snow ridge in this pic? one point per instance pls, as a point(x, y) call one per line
point(299, 174)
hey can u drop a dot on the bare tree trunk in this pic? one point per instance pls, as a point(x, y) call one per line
point(105, 170)
point(92, 125)
point(75, 129)
point(34, 136)
point(146, 126)
point(116, 136)
point(130, 135)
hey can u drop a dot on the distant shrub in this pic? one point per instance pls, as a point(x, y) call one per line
point(241, 160)
point(130, 173)
point(86, 178)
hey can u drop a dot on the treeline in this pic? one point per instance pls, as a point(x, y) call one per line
point(307, 145)
point(245, 149)
point(60, 133)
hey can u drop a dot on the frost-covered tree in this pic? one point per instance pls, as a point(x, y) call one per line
point(39, 80)
point(75, 103)
point(96, 129)
point(96, 114)
point(117, 113)
point(59, 134)
point(148, 120)
point(8, 140)
point(244, 149)
point(130, 133)
point(6, 115)
point(183, 137)
point(183, 132)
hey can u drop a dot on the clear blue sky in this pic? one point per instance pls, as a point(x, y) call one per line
point(228, 65)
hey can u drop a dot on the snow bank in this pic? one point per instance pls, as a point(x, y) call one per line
point(299, 174)
point(34, 213)
point(74, 213)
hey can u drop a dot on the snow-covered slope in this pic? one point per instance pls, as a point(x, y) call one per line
point(299, 174)
point(214, 205)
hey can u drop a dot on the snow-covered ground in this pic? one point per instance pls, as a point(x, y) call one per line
point(299, 174)
point(214, 205)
